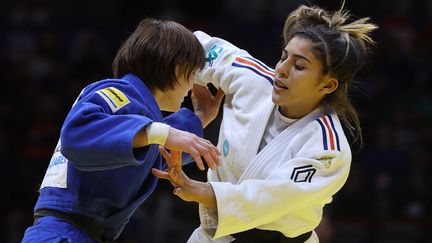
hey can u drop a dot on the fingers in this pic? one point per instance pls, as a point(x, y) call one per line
point(210, 153)
point(195, 85)
point(177, 156)
point(202, 93)
point(175, 175)
point(196, 155)
point(169, 158)
point(216, 153)
point(177, 190)
point(160, 174)
point(190, 143)
point(205, 152)
point(164, 153)
point(219, 96)
point(200, 89)
point(206, 143)
point(179, 178)
point(174, 159)
point(164, 175)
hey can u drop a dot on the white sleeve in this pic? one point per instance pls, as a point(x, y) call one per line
point(311, 178)
point(234, 70)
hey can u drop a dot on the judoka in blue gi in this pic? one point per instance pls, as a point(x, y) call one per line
point(100, 171)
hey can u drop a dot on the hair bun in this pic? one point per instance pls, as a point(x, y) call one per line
point(305, 16)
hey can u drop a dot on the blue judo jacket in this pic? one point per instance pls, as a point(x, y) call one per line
point(94, 171)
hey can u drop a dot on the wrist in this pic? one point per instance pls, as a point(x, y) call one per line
point(202, 118)
point(206, 195)
point(157, 133)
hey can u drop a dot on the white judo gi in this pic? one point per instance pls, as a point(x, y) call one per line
point(282, 187)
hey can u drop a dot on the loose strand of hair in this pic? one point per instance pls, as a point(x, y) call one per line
point(359, 29)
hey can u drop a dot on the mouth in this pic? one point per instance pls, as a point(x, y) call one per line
point(278, 84)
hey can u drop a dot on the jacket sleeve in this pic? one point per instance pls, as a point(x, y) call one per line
point(244, 79)
point(96, 137)
point(312, 177)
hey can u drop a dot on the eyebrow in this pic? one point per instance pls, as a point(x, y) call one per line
point(297, 56)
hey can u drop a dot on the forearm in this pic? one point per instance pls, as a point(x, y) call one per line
point(203, 117)
point(140, 139)
point(192, 190)
point(206, 195)
point(100, 143)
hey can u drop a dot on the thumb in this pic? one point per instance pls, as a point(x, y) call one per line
point(177, 190)
point(219, 95)
point(160, 174)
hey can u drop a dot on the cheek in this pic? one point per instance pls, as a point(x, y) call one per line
point(187, 86)
point(186, 92)
point(306, 79)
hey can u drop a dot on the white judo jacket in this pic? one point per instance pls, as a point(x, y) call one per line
point(283, 187)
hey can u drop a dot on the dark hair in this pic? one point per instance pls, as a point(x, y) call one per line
point(154, 51)
point(341, 47)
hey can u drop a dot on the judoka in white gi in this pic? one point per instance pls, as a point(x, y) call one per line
point(285, 153)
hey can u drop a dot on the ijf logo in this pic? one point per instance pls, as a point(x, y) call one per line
point(213, 54)
point(303, 173)
point(225, 148)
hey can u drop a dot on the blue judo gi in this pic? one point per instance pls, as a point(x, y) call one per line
point(94, 170)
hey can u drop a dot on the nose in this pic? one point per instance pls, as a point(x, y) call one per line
point(282, 70)
point(281, 75)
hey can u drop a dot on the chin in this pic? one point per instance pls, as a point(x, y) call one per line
point(174, 108)
point(275, 99)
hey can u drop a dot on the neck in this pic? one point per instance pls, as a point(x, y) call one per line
point(158, 96)
point(297, 111)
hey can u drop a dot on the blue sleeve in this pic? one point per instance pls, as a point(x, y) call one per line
point(93, 138)
point(185, 120)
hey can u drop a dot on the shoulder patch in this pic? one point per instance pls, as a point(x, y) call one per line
point(114, 98)
point(213, 54)
point(326, 161)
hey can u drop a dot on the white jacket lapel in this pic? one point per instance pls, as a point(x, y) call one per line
point(276, 150)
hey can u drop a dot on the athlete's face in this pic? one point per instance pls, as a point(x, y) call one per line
point(173, 98)
point(299, 84)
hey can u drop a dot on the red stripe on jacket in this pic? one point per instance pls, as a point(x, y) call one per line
point(332, 144)
point(239, 59)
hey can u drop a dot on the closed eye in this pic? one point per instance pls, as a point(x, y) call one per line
point(297, 67)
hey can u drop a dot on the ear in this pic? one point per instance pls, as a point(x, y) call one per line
point(329, 85)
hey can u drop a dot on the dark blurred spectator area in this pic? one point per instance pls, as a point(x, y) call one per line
point(50, 50)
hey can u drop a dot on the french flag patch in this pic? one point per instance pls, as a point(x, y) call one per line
point(329, 134)
point(255, 66)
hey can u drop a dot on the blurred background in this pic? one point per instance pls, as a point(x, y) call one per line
point(50, 50)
